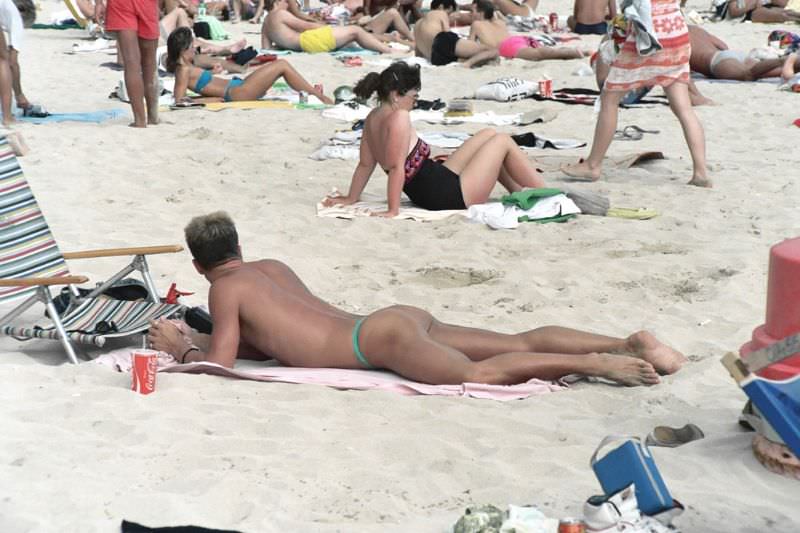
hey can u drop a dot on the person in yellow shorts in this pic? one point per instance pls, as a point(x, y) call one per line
point(318, 40)
point(284, 30)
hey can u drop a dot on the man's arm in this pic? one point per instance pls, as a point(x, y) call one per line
point(612, 9)
point(294, 9)
point(223, 305)
point(299, 25)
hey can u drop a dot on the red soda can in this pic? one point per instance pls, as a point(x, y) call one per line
point(571, 525)
point(553, 21)
point(546, 88)
point(143, 372)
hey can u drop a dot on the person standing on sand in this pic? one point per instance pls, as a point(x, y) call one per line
point(261, 310)
point(136, 24)
point(668, 67)
point(10, 45)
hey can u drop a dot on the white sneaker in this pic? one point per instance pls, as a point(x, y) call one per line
point(619, 513)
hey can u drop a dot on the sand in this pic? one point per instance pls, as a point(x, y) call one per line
point(80, 452)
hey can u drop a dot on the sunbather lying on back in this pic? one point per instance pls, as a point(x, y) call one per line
point(492, 31)
point(436, 43)
point(262, 310)
point(207, 53)
point(758, 11)
point(712, 58)
point(180, 53)
point(291, 33)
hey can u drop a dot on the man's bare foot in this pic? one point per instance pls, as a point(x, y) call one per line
point(664, 359)
point(702, 100)
point(9, 121)
point(701, 181)
point(137, 125)
point(22, 102)
point(581, 169)
point(626, 370)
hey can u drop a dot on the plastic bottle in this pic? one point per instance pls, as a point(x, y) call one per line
point(201, 9)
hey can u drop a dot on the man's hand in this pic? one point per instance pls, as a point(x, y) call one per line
point(165, 337)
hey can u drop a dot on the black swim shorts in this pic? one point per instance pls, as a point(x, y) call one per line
point(443, 49)
point(435, 187)
point(601, 28)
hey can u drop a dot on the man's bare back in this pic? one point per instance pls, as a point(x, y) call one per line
point(489, 32)
point(281, 28)
point(279, 317)
point(427, 28)
point(591, 11)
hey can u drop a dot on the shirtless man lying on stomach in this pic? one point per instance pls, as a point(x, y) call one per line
point(261, 310)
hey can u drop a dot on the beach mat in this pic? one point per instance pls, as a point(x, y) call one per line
point(73, 26)
point(90, 116)
point(337, 378)
point(552, 163)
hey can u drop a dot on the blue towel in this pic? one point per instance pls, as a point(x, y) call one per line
point(90, 116)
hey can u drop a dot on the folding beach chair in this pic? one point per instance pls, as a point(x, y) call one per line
point(30, 263)
point(777, 401)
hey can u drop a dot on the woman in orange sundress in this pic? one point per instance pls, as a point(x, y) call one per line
point(668, 67)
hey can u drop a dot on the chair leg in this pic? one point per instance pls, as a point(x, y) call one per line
point(140, 264)
point(62, 334)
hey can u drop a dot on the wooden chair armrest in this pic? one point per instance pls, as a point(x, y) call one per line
point(34, 282)
point(113, 252)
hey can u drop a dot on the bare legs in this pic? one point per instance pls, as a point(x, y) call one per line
point(5, 82)
point(551, 52)
point(345, 35)
point(486, 158)
point(475, 53)
point(139, 58)
point(259, 82)
point(388, 18)
point(790, 67)
point(679, 102)
point(412, 343)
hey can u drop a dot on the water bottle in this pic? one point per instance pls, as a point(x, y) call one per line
point(201, 9)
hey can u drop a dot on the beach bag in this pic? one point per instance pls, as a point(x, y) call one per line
point(631, 462)
point(506, 90)
point(202, 30)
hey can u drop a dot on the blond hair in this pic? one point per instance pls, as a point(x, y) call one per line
point(212, 239)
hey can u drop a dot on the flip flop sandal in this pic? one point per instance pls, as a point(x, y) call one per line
point(670, 437)
point(627, 134)
point(634, 127)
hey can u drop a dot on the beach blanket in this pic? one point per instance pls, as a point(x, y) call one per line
point(70, 26)
point(411, 61)
point(98, 45)
point(350, 112)
point(120, 360)
point(579, 96)
point(90, 116)
point(373, 204)
point(696, 76)
point(249, 104)
point(346, 144)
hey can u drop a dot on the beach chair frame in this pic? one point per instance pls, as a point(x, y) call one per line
point(42, 293)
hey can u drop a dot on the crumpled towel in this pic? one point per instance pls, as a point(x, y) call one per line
point(499, 216)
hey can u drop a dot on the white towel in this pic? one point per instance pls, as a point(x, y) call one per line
point(499, 216)
point(372, 204)
point(359, 112)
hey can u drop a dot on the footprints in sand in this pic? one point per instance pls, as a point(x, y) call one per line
point(646, 249)
point(449, 277)
point(688, 287)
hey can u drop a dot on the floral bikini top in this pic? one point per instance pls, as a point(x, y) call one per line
point(416, 158)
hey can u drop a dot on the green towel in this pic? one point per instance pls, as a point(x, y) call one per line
point(528, 198)
point(218, 33)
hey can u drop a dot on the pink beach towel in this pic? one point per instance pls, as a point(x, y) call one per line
point(338, 378)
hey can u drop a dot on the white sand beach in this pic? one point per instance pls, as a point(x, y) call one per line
point(80, 452)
